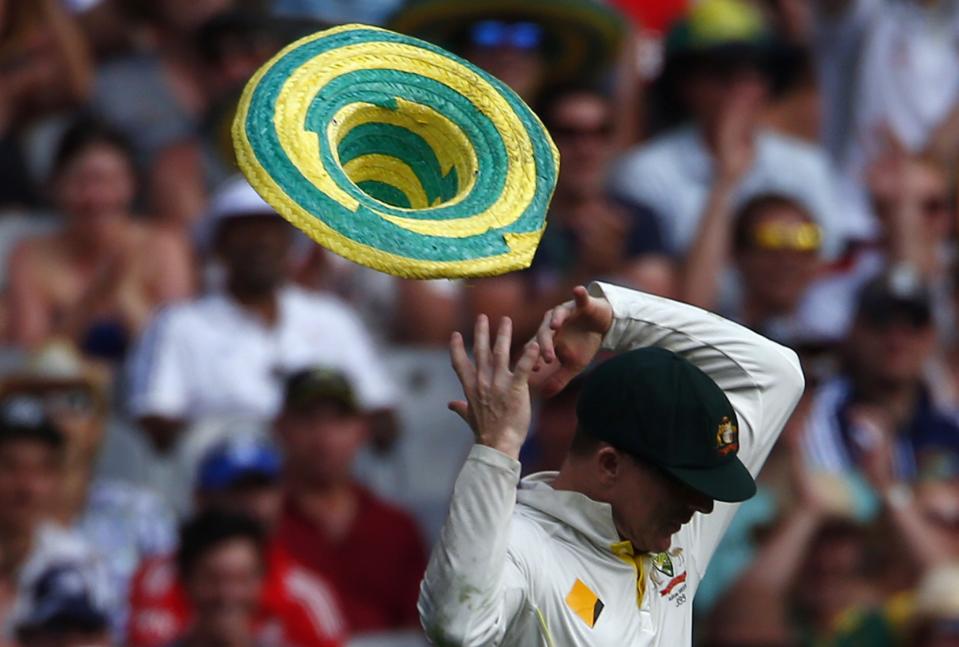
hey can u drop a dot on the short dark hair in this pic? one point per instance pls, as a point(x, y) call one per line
point(746, 215)
point(86, 132)
point(208, 530)
point(583, 444)
point(556, 94)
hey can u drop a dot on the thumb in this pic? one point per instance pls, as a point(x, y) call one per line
point(460, 408)
point(581, 297)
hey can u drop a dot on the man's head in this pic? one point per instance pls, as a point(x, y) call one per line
point(580, 121)
point(221, 562)
point(242, 475)
point(657, 440)
point(776, 244)
point(63, 610)
point(511, 49)
point(835, 563)
point(72, 393)
point(31, 462)
point(320, 429)
point(893, 333)
point(250, 239)
point(94, 179)
point(233, 44)
point(928, 183)
point(715, 55)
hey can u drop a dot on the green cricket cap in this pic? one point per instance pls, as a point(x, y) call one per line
point(310, 387)
point(654, 405)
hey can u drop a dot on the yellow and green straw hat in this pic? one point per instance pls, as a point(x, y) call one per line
point(397, 155)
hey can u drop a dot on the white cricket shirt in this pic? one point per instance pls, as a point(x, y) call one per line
point(540, 567)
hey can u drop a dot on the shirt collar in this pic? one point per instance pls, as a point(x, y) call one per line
point(593, 519)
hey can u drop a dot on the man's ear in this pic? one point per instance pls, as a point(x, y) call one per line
point(609, 463)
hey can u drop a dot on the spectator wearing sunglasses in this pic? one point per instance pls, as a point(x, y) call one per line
point(882, 397)
point(32, 454)
point(510, 51)
point(529, 45)
point(771, 247)
point(124, 522)
point(912, 199)
point(718, 73)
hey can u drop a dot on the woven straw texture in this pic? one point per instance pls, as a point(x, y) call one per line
point(397, 155)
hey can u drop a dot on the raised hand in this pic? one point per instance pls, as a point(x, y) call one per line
point(497, 405)
point(735, 152)
point(569, 338)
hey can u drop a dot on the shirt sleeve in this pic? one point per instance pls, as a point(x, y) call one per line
point(472, 588)
point(762, 380)
point(158, 370)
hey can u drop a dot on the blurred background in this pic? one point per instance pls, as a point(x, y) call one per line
point(213, 432)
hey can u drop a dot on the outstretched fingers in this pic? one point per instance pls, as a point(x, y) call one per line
point(481, 353)
point(544, 337)
point(504, 340)
point(524, 366)
point(464, 368)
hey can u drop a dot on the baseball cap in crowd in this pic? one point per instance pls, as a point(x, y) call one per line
point(57, 374)
point(719, 27)
point(654, 405)
point(238, 459)
point(309, 387)
point(234, 198)
point(896, 295)
point(62, 600)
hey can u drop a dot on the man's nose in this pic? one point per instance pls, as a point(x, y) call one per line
point(701, 503)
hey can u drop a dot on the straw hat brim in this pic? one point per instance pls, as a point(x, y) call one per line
point(397, 155)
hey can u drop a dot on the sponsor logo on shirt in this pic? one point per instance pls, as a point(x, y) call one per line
point(584, 603)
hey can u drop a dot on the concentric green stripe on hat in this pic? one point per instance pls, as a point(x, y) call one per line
point(474, 218)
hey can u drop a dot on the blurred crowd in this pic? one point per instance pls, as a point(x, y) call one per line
point(215, 433)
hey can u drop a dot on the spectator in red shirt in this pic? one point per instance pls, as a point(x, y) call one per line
point(240, 476)
point(222, 562)
point(370, 551)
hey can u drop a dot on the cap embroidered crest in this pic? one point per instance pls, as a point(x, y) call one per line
point(727, 437)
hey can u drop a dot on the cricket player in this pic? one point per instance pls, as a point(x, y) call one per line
point(609, 550)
